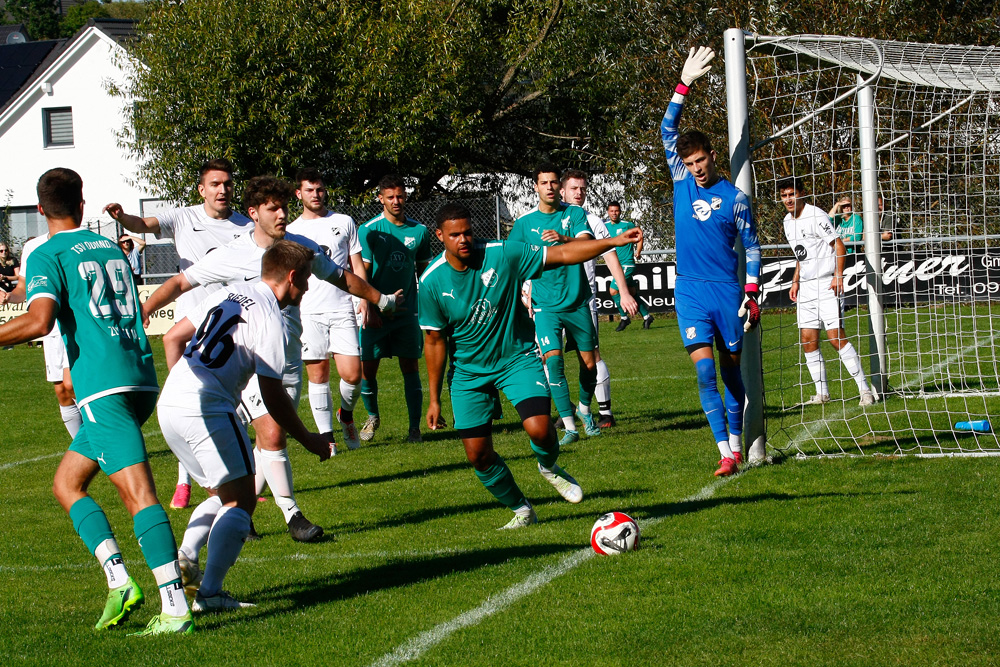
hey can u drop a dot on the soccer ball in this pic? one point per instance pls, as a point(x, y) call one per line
point(614, 533)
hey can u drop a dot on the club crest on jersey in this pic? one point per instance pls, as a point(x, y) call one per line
point(410, 241)
point(702, 209)
point(565, 222)
point(38, 281)
point(690, 333)
point(716, 203)
point(489, 278)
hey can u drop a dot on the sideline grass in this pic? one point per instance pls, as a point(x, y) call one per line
point(846, 562)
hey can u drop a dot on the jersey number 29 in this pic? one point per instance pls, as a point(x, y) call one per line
point(98, 278)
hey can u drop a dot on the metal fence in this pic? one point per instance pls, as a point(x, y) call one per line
point(491, 218)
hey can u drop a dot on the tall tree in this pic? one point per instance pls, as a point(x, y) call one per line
point(40, 16)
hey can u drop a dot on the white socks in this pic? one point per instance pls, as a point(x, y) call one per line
point(110, 557)
point(71, 418)
point(182, 474)
point(349, 395)
point(322, 406)
point(852, 362)
point(602, 392)
point(817, 369)
point(569, 423)
point(168, 579)
point(278, 473)
point(199, 526)
point(232, 525)
point(724, 449)
point(584, 409)
point(734, 442)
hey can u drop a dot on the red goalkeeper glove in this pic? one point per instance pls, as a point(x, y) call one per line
point(750, 307)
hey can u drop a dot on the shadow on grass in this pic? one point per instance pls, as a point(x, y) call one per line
point(406, 474)
point(293, 597)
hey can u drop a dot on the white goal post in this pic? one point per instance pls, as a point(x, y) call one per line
point(918, 127)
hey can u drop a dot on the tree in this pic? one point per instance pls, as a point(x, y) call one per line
point(77, 16)
point(421, 87)
point(40, 16)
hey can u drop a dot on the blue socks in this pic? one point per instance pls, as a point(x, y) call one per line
point(711, 401)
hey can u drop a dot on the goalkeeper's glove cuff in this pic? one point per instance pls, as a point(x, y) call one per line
point(387, 303)
point(682, 89)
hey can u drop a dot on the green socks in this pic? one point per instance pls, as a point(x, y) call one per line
point(546, 457)
point(369, 395)
point(555, 369)
point(152, 529)
point(499, 481)
point(414, 394)
point(90, 523)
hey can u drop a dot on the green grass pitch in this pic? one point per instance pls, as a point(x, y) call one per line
point(873, 561)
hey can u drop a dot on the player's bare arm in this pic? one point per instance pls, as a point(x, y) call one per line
point(837, 284)
point(793, 293)
point(629, 304)
point(360, 288)
point(133, 223)
point(358, 267)
point(552, 236)
point(580, 251)
point(176, 340)
point(164, 294)
point(435, 355)
point(280, 407)
point(35, 323)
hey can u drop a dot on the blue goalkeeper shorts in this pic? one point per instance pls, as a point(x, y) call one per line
point(708, 311)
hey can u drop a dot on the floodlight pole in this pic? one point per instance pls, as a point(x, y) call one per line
point(877, 358)
point(742, 177)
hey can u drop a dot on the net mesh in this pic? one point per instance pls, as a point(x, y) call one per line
point(937, 132)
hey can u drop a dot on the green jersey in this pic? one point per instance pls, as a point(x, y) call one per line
point(626, 253)
point(850, 229)
point(479, 307)
point(98, 312)
point(566, 288)
point(394, 252)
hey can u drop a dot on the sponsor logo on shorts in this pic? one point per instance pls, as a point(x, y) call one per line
point(702, 210)
point(690, 333)
point(38, 281)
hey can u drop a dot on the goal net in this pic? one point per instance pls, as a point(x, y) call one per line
point(918, 125)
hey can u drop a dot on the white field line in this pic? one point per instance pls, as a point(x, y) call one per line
point(652, 377)
point(420, 644)
point(14, 464)
point(810, 431)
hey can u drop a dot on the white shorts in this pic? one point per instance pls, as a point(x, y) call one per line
point(324, 334)
point(214, 447)
point(56, 360)
point(818, 307)
point(252, 403)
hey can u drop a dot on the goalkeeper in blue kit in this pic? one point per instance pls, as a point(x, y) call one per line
point(709, 212)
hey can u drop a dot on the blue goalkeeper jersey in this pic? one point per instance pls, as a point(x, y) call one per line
point(707, 220)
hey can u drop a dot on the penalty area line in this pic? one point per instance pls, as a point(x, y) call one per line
point(425, 641)
point(14, 464)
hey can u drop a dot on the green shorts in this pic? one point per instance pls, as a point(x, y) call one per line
point(111, 433)
point(578, 325)
point(474, 396)
point(629, 270)
point(397, 337)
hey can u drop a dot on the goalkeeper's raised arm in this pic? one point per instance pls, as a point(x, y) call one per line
point(698, 63)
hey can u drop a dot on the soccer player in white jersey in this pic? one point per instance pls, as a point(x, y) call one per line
point(240, 332)
point(196, 231)
point(56, 361)
point(468, 308)
point(329, 325)
point(817, 288)
point(266, 199)
point(574, 191)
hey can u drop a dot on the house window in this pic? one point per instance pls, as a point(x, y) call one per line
point(58, 126)
point(25, 222)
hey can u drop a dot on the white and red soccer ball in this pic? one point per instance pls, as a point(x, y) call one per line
point(614, 533)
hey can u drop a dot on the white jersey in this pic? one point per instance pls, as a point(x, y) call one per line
point(337, 236)
point(240, 332)
point(55, 335)
point(600, 231)
point(812, 238)
point(239, 262)
point(195, 235)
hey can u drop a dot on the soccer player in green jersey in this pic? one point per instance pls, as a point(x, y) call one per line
point(469, 303)
point(395, 250)
point(84, 281)
point(560, 300)
point(626, 255)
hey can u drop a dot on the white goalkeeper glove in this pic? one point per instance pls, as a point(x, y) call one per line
point(750, 307)
point(387, 303)
point(698, 63)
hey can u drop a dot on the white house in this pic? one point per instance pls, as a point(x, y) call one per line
point(63, 116)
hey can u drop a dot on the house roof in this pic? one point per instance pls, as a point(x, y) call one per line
point(21, 65)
